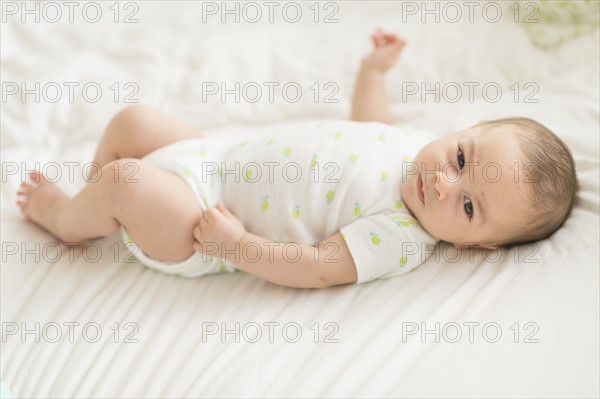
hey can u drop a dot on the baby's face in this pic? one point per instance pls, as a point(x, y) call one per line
point(467, 188)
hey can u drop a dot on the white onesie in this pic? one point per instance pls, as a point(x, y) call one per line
point(303, 182)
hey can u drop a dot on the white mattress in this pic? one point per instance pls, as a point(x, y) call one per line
point(553, 285)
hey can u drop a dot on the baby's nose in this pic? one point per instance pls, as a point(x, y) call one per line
point(440, 190)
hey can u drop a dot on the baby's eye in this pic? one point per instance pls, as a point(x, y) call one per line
point(460, 158)
point(468, 205)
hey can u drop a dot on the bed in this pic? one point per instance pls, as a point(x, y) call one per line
point(93, 323)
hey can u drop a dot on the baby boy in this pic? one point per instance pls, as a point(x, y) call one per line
point(313, 205)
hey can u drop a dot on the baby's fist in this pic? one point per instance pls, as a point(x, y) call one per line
point(387, 49)
point(218, 226)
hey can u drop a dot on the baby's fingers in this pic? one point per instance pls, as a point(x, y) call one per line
point(221, 207)
point(381, 38)
point(378, 41)
point(391, 37)
point(197, 232)
point(198, 239)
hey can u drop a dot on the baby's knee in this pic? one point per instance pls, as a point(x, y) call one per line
point(123, 178)
point(129, 118)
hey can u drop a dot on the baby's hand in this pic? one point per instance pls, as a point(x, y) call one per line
point(218, 226)
point(387, 49)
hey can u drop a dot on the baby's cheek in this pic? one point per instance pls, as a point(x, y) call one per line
point(439, 226)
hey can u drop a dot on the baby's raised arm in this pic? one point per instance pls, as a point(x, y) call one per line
point(369, 102)
point(325, 264)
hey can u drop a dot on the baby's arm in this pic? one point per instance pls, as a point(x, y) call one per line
point(369, 102)
point(326, 264)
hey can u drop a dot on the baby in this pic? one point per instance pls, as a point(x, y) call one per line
point(316, 204)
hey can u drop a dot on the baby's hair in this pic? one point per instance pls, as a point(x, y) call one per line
point(553, 178)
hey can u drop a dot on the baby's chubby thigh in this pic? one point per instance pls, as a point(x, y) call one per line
point(158, 210)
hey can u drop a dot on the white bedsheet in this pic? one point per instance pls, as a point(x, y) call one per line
point(168, 55)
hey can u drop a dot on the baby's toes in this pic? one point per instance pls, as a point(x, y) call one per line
point(36, 176)
point(23, 203)
point(27, 185)
point(25, 190)
point(23, 196)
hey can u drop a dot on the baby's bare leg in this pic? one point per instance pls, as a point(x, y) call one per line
point(138, 130)
point(157, 208)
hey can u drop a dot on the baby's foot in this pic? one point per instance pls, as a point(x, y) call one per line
point(41, 203)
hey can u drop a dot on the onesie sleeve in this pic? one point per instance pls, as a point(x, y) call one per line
point(385, 246)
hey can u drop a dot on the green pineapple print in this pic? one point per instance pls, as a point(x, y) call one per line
point(406, 158)
point(353, 158)
point(337, 135)
point(270, 141)
point(265, 203)
point(343, 236)
point(248, 174)
point(186, 173)
point(205, 200)
point(403, 261)
point(313, 161)
point(329, 196)
point(222, 267)
point(357, 210)
point(384, 176)
point(296, 212)
point(404, 221)
point(381, 138)
point(202, 152)
point(398, 204)
point(287, 151)
point(219, 171)
point(243, 143)
point(375, 238)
